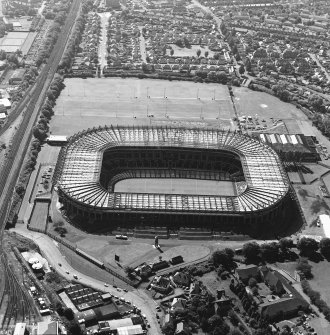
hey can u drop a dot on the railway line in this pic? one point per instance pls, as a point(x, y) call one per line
point(19, 305)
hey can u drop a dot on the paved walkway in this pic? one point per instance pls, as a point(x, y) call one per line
point(54, 257)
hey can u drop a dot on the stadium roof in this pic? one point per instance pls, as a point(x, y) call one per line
point(80, 163)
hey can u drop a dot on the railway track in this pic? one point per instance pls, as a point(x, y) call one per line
point(18, 304)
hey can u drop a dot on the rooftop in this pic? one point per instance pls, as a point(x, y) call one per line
point(80, 163)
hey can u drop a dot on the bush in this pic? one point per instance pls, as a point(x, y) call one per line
point(304, 268)
point(61, 230)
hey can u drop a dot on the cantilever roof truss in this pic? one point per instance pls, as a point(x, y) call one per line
point(79, 168)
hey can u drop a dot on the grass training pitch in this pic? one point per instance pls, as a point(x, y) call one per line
point(85, 103)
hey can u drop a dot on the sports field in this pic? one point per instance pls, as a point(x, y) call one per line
point(176, 186)
point(85, 103)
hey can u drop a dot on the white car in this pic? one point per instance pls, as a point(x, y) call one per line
point(106, 285)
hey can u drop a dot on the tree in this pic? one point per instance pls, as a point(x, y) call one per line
point(269, 251)
point(206, 54)
point(179, 43)
point(214, 321)
point(325, 247)
point(129, 271)
point(74, 328)
point(59, 309)
point(251, 251)
point(223, 257)
point(144, 67)
point(20, 189)
point(68, 313)
point(198, 52)
point(307, 246)
point(317, 103)
point(252, 282)
point(168, 329)
point(304, 268)
point(222, 329)
point(186, 42)
point(222, 77)
point(241, 69)
point(285, 243)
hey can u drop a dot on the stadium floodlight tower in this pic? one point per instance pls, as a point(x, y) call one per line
point(94, 160)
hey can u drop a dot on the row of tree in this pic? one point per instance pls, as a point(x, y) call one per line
point(75, 38)
point(316, 299)
point(51, 37)
point(42, 127)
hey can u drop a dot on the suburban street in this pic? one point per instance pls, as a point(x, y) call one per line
point(103, 39)
point(314, 57)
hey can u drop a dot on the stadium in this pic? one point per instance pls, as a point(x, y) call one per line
point(95, 161)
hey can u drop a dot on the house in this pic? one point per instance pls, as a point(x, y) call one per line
point(161, 284)
point(194, 289)
point(167, 319)
point(274, 283)
point(17, 76)
point(181, 279)
point(181, 329)
point(178, 304)
point(223, 303)
point(249, 271)
point(283, 308)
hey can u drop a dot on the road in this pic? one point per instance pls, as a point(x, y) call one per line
point(52, 253)
point(103, 40)
point(314, 57)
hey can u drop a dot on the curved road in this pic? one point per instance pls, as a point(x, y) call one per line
point(52, 253)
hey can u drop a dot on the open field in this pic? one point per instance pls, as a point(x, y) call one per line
point(265, 105)
point(189, 52)
point(134, 253)
point(93, 102)
point(175, 186)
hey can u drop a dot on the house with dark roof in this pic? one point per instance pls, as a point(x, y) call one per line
point(162, 285)
point(181, 279)
point(178, 304)
point(247, 272)
point(284, 305)
point(274, 283)
point(283, 308)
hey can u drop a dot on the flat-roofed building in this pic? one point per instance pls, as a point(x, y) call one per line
point(20, 328)
point(47, 328)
